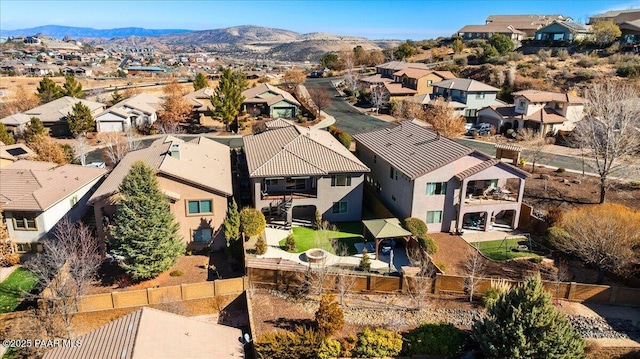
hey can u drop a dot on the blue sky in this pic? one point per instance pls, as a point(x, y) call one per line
point(417, 19)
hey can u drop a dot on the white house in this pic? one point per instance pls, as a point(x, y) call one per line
point(135, 111)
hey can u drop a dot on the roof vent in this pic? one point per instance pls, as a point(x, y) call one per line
point(175, 150)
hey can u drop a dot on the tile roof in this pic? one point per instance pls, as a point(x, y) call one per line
point(152, 333)
point(201, 99)
point(294, 150)
point(491, 28)
point(255, 95)
point(546, 115)
point(399, 65)
point(547, 96)
point(376, 79)
point(489, 162)
point(412, 149)
point(631, 25)
point(396, 88)
point(465, 85)
point(413, 73)
point(16, 119)
point(505, 111)
point(197, 157)
point(57, 109)
point(36, 186)
point(527, 22)
point(15, 152)
point(144, 102)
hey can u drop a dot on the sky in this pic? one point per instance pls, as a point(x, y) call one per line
point(416, 19)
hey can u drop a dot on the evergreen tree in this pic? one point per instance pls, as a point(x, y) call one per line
point(116, 97)
point(231, 223)
point(5, 136)
point(228, 97)
point(252, 222)
point(72, 87)
point(34, 129)
point(200, 81)
point(523, 323)
point(80, 120)
point(365, 261)
point(261, 246)
point(48, 91)
point(329, 316)
point(502, 43)
point(145, 231)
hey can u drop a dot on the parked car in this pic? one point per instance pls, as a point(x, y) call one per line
point(480, 129)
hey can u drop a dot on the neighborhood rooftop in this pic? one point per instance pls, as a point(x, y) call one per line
point(57, 109)
point(465, 85)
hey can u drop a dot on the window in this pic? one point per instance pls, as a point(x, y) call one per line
point(202, 235)
point(340, 181)
point(434, 217)
point(480, 95)
point(339, 207)
point(434, 188)
point(429, 82)
point(24, 221)
point(522, 105)
point(199, 206)
point(271, 182)
point(296, 184)
point(470, 112)
point(73, 200)
point(393, 173)
point(23, 247)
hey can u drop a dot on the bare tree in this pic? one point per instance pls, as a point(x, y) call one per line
point(82, 146)
point(420, 285)
point(444, 119)
point(117, 146)
point(344, 281)
point(66, 268)
point(610, 128)
point(294, 76)
point(535, 146)
point(379, 97)
point(408, 110)
point(320, 97)
point(351, 76)
point(474, 267)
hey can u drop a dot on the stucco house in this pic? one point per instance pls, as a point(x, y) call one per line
point(412, 81)
point(12, 153)
point(630, 33)
point(527, 23)
point(563, 31)
point(542, 111)
point(486, 31)
point(416, 172)
point(466, 96)
point(616, 16)
point(137, 110)
point(196, 178)
point(389, 68)
point(201, 105)
point(269, 100)
point(295, 171)
point(36, 195)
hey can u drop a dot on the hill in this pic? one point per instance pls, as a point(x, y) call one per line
point(59, 32)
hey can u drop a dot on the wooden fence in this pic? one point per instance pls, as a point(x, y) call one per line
point(290, 276)
point(176, 293)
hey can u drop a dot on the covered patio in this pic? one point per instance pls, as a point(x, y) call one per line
point(383, 229)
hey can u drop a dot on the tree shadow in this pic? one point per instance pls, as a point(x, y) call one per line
point(291, 324)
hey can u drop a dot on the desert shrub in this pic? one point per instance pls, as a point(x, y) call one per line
point(555, 232)
point(439, 339)
point(461, 61)
point(442, 265)
point(345, 139)
point(613, 49)
point(348, 346)
point(544, 55)
point(376, 343)
point(499, 60)
point(416, 226)
point(583, 75)
point(561, 170)
point(176, 273)
point(330, 348)
point(290, 243)
point(365, 261)
point(476, 43)
point(261, 246)
point(524, 65)
point(329, 316)
point(515, 56)
point(303, 343)
point(587, 62)
point(635, 184)
point(428, 244)
point(554, 215)
point(630, 70)
point(561, 54)
point(552, 65)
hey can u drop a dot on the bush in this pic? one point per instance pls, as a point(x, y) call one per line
point(290, 243)
point(416, 226)
point(538, 72)
point(329, 316)
point(252, 222)
point(261, 246)
point(562, 54)
point(9, 260)
point(515, 56)
point(176, 273)
point(345, 139)
point(461, 61)
point(554, 215)
point(428, 244)
point(628, 70)
point(442, 265)
point(348, 346)
point(329, 349)
point(365, 261)
point(302, 343)
point(587, 62)
point(583, 75)
point(378, 343)
point(535, 259)
point(439, 339)
point(560, 170)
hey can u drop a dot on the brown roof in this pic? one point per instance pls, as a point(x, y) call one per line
point(504, 111)
point(36, 186)
point(197, 157)
point(151, 333)
point(547, 96)
point(630, 25)
point(491, 28)
point(294, 150)
point(412, 149)
point(527, 22)
point(57, 109)
point(376, 79)
point(546, 115)
point(399, 65)
point(396, 88)
point(490, 162)
point(201, 99)
point(507, 146)
point(256, 95)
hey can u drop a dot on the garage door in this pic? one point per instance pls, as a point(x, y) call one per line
point(283, 112)
point(111, 127)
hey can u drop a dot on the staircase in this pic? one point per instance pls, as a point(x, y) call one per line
point(282, 209)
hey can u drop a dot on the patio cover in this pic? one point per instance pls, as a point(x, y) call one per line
point(384, 228)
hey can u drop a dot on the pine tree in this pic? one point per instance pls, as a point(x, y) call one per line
point(365, 261)
point(145, 231)
point(5, 136)
point(72, 87)
point(116, 97)
point(261, 246)
point(228, 97)
point(200, 81)
point(80, 120)
point(329, 316)
point(231, 223)
point(48, 91)
point(34, 129)
point(523, 323)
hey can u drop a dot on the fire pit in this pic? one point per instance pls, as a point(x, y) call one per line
point(316, 255)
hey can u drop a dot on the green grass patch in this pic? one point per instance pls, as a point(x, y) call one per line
point(501, 250)
point(307, 238)
point(13, 288)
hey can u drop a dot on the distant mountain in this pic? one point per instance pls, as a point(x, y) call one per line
point(59, 32)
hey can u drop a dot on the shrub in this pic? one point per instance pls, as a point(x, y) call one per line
point(583, 75)
point(538, 72)
point(345, 139)
point(261, 246)
point(303, 343)
point(329, 316)
point(562, 54)
point(416, 226)
point(515, 56)
point(628, 70)
point(365, 261)
point(176, 273)
point(439, 339)
point(290, 243)
point(587, 62)
point(544, 55)
point(378, 343)
point(252, 222)
point(554, 215)
point(348, 346)
point(524, 65)
point(535, 259)
point(9, 260)
point(560, 170)
point(442, 265)
point(461, 61)
point(329, 349)
point(428, 244)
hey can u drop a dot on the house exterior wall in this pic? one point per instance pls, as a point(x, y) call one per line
point(574, 113)
point(110, 118)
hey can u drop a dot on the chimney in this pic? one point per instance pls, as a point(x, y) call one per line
point(175, 150)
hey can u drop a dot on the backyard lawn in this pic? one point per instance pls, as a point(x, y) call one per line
point(13, 288)
point(347, 234)
point(500, 249)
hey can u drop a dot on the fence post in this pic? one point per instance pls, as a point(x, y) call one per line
point(368, 283)
point(181, 292)
point(613, 296)
point(436, 284)
point(572, 289)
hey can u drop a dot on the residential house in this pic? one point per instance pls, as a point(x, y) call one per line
point(196, 178)
point(466, 96)
point(295, 171)
point(16, 123)
point(201, 103)
point(416, 172)
point(389, 68)
point(616, 16)
point(54, 114)
point(563, 31)
point(142, 334)
point(420, 80)
point(486, 31)
point(528, 24)
point(137, 110)
point(630, 33)
point(12, 153)
point(541, 111)
point(36, 195)
point(76, 71)
point(269, 100)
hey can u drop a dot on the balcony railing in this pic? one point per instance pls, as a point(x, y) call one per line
point(271, 195)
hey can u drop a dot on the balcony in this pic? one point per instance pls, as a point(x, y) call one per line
point(275, 195)
point(493, 197)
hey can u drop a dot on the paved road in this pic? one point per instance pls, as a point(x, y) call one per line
point(347, 118)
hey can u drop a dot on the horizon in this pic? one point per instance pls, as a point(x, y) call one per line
point(346, 18)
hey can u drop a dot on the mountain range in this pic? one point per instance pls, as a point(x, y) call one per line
point(59, 32)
